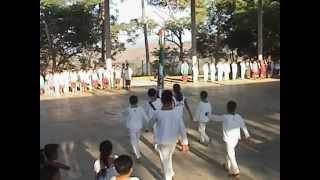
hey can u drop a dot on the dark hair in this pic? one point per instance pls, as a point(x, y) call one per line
point(231, 106)
point(203, 94)
point(177, 91)
point(176, 88)
point(105, 147)
point(123, 164)
point(50, 150)
point(166, 96)
point(105, 152)
point(152, 92)
point(133, 100)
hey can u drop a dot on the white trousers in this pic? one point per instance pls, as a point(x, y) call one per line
point(203, 135)
point(110, 80)
point(134, 140)
point(231, 157)
point(226, 76)
point(213, 76)
point(243, 72)
point(234, 75)
point(165, 152)
point(220, 73)
point(206, 76)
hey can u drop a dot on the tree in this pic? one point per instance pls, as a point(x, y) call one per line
point(72, 29)
point(175, 29)
point(234, 24)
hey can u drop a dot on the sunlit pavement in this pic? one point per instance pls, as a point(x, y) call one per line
point(79, 124)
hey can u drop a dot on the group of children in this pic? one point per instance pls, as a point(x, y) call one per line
point(224, 70)
point(165, 116)
point(78, 82)
point(106, 167)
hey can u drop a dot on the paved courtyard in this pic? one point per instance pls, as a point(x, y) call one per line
point(79, 124)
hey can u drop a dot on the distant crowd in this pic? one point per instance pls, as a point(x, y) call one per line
point(73, 82)
point(226, 70)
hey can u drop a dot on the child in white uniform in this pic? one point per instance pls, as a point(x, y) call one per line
point(135, 118)
point(226, 67)
point(152, 105)
point(205, 68)
point(123, 164)
point(212, 72)
point(220, 70)
point(243, 69)
point(180, 102)
point(234, 67)
point(231, 125)
point(202, 116)
point(169, 126)
point(104, 166)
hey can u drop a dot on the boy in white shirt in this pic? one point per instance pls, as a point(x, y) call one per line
point(152, 105)
point(123, 164)
point(202, 116)
point(212, 72)
point(231, 125)
point(234, 67)
point(220, 68)
point(205, 69)
point(117, 76)
point(242, 69)
point(135, 118)
point(169, 126)
point(226, 68)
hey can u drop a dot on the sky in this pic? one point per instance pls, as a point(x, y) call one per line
point(131, 9)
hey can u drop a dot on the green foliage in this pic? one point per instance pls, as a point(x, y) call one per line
point(234, 23)
point(74, 29)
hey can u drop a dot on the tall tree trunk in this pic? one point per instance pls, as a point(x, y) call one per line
point(51, 50)
point(193, 34)
point(181, 53)
point(260, 26)
point(146, 44)
point(108, 29)
point(103, 39)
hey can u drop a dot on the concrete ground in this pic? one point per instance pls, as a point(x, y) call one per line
point(79, 124)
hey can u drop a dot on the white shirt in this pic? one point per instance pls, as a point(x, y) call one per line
point(205, 68)
point(128, 74)
point(231, 125)
point(135, 117)
point(254, 66)
point(243, 66)
point(212, 68)
point(157, 104)
point(118, 73)
point(226, 67)
point(94, 76)
point(100, 73)
point(169, 125)
point(203, 112)
point(220, 67)
point(184, 67)
point(179, 105)
point(234, 66)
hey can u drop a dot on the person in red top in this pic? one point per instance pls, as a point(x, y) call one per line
point(263, 69)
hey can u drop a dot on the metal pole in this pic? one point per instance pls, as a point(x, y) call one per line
point(108, 32)
point(194, 43)
point(260, 33)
